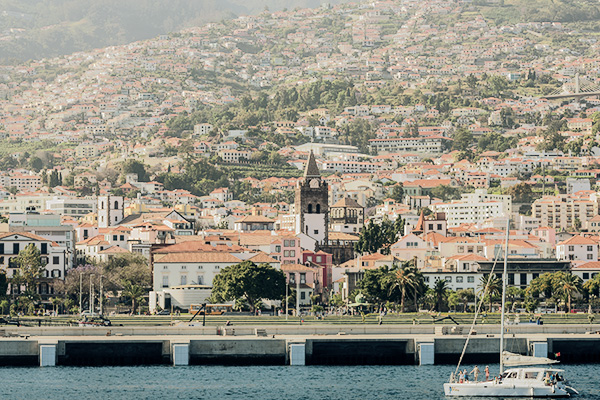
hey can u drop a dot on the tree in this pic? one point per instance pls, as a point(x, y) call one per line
point(491, 286)
point(375, 284)
point(592, 286)
point(446, 192)
point(379, 237)
point(541, 285)
point(440, 291)
point(397, 192)
point(30, 268)
point(465, 296)
point(463, 139)
point(402, 279)
point(132, 166)
point(249, 282)
point(566, 285)
point(135, 293)
point(3, 284)
point(36, 163)
point(521, 193)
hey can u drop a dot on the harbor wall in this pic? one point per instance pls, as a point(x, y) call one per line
point(270, 345)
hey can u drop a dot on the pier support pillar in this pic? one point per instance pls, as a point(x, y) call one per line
point(47, 355)
point(426, 353)
point(298, 354)
point(539, 349)
point(181, 354)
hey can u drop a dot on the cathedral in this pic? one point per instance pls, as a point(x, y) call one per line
point(311, 209)
point(311, 204)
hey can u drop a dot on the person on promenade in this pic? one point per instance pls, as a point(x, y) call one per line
point(487, 373)
point(475, 373)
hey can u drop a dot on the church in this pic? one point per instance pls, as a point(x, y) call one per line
point(312, 216)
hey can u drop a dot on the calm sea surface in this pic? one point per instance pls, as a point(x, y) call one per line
point(261, 383)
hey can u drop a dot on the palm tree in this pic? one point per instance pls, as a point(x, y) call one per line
point(542, 284)
point(440, 291)
point(465, 295)
point(135, 293)
point(592, 286)
point(418, 285)
point(566, 285)
point(402, 279)
point(492, 286)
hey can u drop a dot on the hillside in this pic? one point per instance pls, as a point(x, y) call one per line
point(41, 28)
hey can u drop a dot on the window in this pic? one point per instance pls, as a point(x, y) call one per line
point(590, 256)
point(286, 253)
point(200, 280)
point(165, 282)
point(114, 237)
point(184, 279)
point(448, 279)
point(302, 295)
point(586, 275)
point(439, 227)
point(310, 208)
point(15, 248)
point(44, 248)
point(319, 259)
point(165, 267)
point(470, 279)
point(55, 260)
point(571, 248)
point(459, 279)
point(286, 243)
point(277, 249)
point(426, 279)
point(590, 248)
point(184, 267)
point(316, 231)
point(122, 238)
point(303, 277)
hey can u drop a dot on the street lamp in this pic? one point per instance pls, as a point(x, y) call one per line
point(91, 294)
point(287, 287)
point(80, 292)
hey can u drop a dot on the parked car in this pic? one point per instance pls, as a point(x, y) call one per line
point(163, 312)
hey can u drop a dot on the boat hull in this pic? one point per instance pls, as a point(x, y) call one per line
point(491, 389)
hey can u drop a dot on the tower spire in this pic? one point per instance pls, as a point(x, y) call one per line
point(311, 170)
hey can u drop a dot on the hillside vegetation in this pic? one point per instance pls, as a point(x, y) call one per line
point(36, 29)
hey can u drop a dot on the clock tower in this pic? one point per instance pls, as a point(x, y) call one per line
point(311, 203)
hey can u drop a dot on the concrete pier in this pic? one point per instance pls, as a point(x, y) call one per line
point(291, 345)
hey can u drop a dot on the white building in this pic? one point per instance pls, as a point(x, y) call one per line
point(474, 208)
point(577, 248)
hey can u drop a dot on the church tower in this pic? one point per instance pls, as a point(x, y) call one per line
point(312, 203)
point(110, 210)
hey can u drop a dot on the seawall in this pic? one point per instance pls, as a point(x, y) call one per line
point(296, 345)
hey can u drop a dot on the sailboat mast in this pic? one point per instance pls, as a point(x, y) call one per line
point(504, 276)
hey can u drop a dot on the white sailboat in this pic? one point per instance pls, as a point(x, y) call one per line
point(514, 382)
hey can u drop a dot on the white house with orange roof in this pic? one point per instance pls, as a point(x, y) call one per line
point(409, 247)
point(586, 271)
point(577, 248)
point(222, 194)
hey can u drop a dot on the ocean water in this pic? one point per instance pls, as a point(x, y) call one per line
point(248, 383)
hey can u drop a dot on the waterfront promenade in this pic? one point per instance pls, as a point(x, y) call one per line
point(275, 344)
